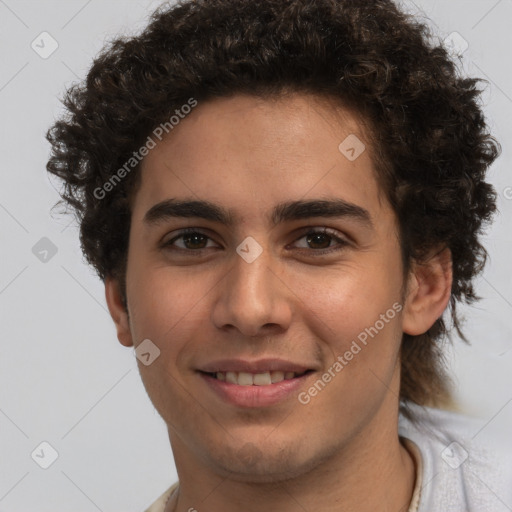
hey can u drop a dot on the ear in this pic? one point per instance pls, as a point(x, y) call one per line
point(428, 292)
point(118, 311)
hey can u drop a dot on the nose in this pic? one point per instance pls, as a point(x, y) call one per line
point(253, 299)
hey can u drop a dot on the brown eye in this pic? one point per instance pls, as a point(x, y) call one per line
point(192, 240)
point(319, 241)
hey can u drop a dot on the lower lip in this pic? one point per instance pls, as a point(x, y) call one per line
point(255, 396)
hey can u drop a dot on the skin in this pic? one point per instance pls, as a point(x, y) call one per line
point(341, 451)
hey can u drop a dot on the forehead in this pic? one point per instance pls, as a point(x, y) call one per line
point(262, 151)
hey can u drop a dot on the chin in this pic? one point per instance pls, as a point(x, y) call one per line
point(263, 464)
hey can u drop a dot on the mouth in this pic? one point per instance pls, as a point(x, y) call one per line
point(265, 378)
point(255, 384)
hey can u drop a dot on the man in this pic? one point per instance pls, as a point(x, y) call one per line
point(282, 198)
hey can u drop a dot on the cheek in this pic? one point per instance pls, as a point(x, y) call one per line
point(347, 300)
point(162, 302)
point(166, 310)
point(360, 347)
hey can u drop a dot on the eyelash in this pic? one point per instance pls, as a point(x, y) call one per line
point(342, 243)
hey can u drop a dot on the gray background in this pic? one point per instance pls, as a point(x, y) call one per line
point(64, 378)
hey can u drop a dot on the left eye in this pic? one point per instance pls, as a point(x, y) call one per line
point(323, 235)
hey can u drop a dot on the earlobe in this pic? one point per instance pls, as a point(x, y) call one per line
point(118, 311)
point(428, 292)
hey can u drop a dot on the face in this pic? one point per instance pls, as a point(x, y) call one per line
point(295, 273)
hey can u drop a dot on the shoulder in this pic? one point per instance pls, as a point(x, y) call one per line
point(464, 467)
point(159, 504)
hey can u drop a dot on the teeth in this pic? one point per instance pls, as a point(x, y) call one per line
point(231, 377)
point(254, 379)
point(245, 379)
point(277, 377)
point(262, 379)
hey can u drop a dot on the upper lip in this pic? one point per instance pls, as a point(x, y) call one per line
point(258, 366)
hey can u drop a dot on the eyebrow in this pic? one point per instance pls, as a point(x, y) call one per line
point(287, 211)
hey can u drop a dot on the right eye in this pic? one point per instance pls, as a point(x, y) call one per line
point(193, 240)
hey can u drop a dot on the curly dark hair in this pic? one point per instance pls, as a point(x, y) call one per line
point(430, 142)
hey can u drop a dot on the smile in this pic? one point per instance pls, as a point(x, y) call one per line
point(255, 379)
point(255, 390)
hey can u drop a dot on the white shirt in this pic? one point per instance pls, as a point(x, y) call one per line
point(463, 468)
point(458, 468)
